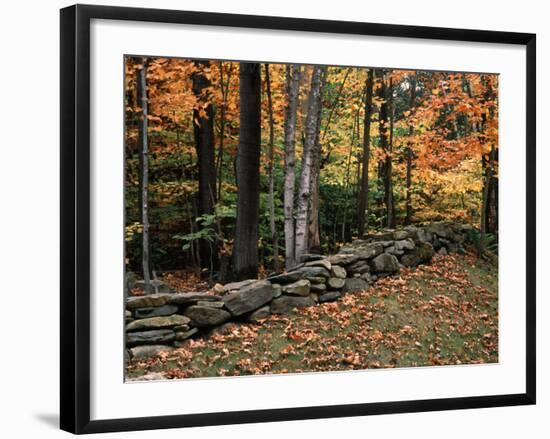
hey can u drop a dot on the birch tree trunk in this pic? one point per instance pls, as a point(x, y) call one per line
point(245, 249)
point(272, 226)
point(363, 202)
point(304, 193)
point(292, 89)
point(144, 171)
point(314, 239)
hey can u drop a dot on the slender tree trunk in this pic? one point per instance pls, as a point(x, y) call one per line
point(409, 155)
point(347, 177)
point(390, 206)
point(292, 89)
point(485, 201)
point(314, 239)
point(384, 142)
point(270, 154)
point(144, 171)
point(336, 103)
point(363, 201)
point(304, 194)
point(224, 87)
point(492, 202)
point(245, 250)
point(203, 124)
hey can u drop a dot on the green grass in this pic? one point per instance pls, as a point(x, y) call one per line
point(437, 314)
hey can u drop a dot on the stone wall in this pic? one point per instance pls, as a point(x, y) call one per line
point(166, 319)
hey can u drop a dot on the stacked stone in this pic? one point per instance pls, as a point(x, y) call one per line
point(163, 320)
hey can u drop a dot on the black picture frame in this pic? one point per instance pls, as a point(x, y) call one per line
point(75, 217)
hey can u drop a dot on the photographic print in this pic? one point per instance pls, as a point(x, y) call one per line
point(286, 218)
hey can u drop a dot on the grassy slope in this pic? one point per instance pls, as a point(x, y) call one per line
point(443, 313)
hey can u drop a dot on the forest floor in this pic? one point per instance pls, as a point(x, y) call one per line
point(437, 314)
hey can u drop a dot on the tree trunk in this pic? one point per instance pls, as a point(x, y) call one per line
point(363, 201)
point(383, 129)
point(390, 207)
point(304, 194)
point(409, 156)
point(488, 171)
point(314, 239)
point(292, 89)
point(270, 154)
point(144, 171)
point(203, 124)
point(347, 182)
point(245, 250)
point(224, 88)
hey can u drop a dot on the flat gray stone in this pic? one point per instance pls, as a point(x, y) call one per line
point(260, 314)
point(310, 257)
point(285, 278)
point(206, 316)
point(406, 244)
point(421, 254)
point(317, 280)
point(325, 263)
point(354, 284)
point(329, 296)
point(299, 288)
point(343, 259)
point(285, 304)
point(277, 290)
point(238, 285)
point(156, 311)
point(147, 351)
point(337, 271)
point(384, 263)
point(158, 336)
point(148, 301)
point(336, 283)
point(359, 267)
point(184, 335)
point(181, 328)
point(382, 236)
point(400, 234)
point(308, 272)
point(189, 298)
point(318, 288)
point(249, 298)
point(157, 322)
point(370, 250)
point(210, 304)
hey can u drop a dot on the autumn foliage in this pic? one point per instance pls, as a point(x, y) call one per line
point(433, 155)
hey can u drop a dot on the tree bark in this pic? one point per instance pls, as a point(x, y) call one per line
point(292, 89)
point(363, 201)
point(270, 154)
point(314, 239)
point(409, 155)
point(485, 200)
point(144, 171)
point(245, 250)
point(203, 125)
point(390, 207)
point(224, 88)
point(304, 194)
point(384, 145)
